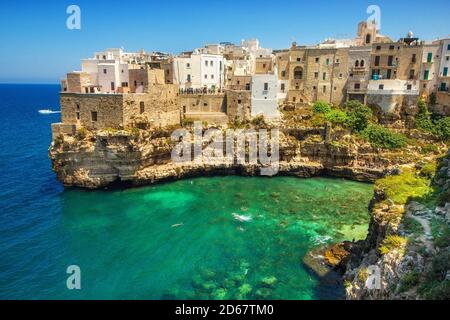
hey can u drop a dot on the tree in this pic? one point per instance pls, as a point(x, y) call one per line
point(358, 115)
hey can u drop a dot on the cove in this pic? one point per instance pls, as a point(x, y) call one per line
point(204, 238)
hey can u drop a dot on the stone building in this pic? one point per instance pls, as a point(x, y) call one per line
point(359, 73)
point(159, 105)
point(443, 92)
point(317, 74)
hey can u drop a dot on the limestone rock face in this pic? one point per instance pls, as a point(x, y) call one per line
point(138, 158)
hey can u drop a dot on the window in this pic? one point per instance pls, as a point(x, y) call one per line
point(390, 60)
point(445, 72)
point(282, 87)
point(135, 83)
point(293, 99)
point(125, 84)
point(388, 73)
point(206, 63)
point(188, 78)
point(381, 87)
point(283, 73)
point(264, 65)
point(377, 61)
point(316, 75)
point(104, 57)
point(212, 76)
point(357, 86)
point(429, 57)
point(413, 59)
point(205, 104)
point(362, 63)
point(239, 101)
point(93, 116)
point(266, 86)
point(211, 63)
point(298, 73)
point(122, 70)
point(411, 74)
point(299, 59)
point(357, 63)
point(391, 47)
point(426, 74)
point(368, 39)
point(104, 71)
point(206, 76)
point(317, 60)
point(188, 65)
point(378, 48)
point(448, 47)
point(78, 115)
point(324, 89)
point(78, 106)
point(113, 86)
point(324, 76)
point(409, 87)
point(340, 75)
point(327, 61)
point(141, 107)
point(338, 61)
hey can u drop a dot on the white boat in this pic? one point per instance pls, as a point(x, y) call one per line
point(241, 218)
point(48, 111)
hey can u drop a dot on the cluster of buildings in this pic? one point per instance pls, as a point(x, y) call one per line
point(223, 82)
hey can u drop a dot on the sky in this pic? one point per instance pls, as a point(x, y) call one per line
point(37, 47)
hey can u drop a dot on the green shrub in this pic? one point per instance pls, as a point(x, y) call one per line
point(401, 188)
point(59, 140)
point(392, 242)
point(358, 115)
point(259, 121)
point(409, 280)
point(381, 137)
point(321, 107)
point(81, 134)
point(429, 170)
point(435, 286)
point(337, 116)
point(442, 128)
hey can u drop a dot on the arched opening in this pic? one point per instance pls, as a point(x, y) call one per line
point(357, 63)
point(298, 73)
point(368, 39)
point(362, 63)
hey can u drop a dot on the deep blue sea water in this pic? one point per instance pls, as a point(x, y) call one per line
point(171, 241)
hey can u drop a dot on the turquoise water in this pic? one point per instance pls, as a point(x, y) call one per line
point(172, 241)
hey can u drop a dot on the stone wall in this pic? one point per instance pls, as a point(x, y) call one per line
point(80, 108)
point(142, 79)
point(160, 105)
point(190, 103)
point(238, 104)
point(77, 82)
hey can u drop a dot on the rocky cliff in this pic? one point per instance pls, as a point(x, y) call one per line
point(407, 252)
point(138, 157)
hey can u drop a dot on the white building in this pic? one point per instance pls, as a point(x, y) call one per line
point(444, 67)
point(109, 69)
point(265, 89)
point(199, 70)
